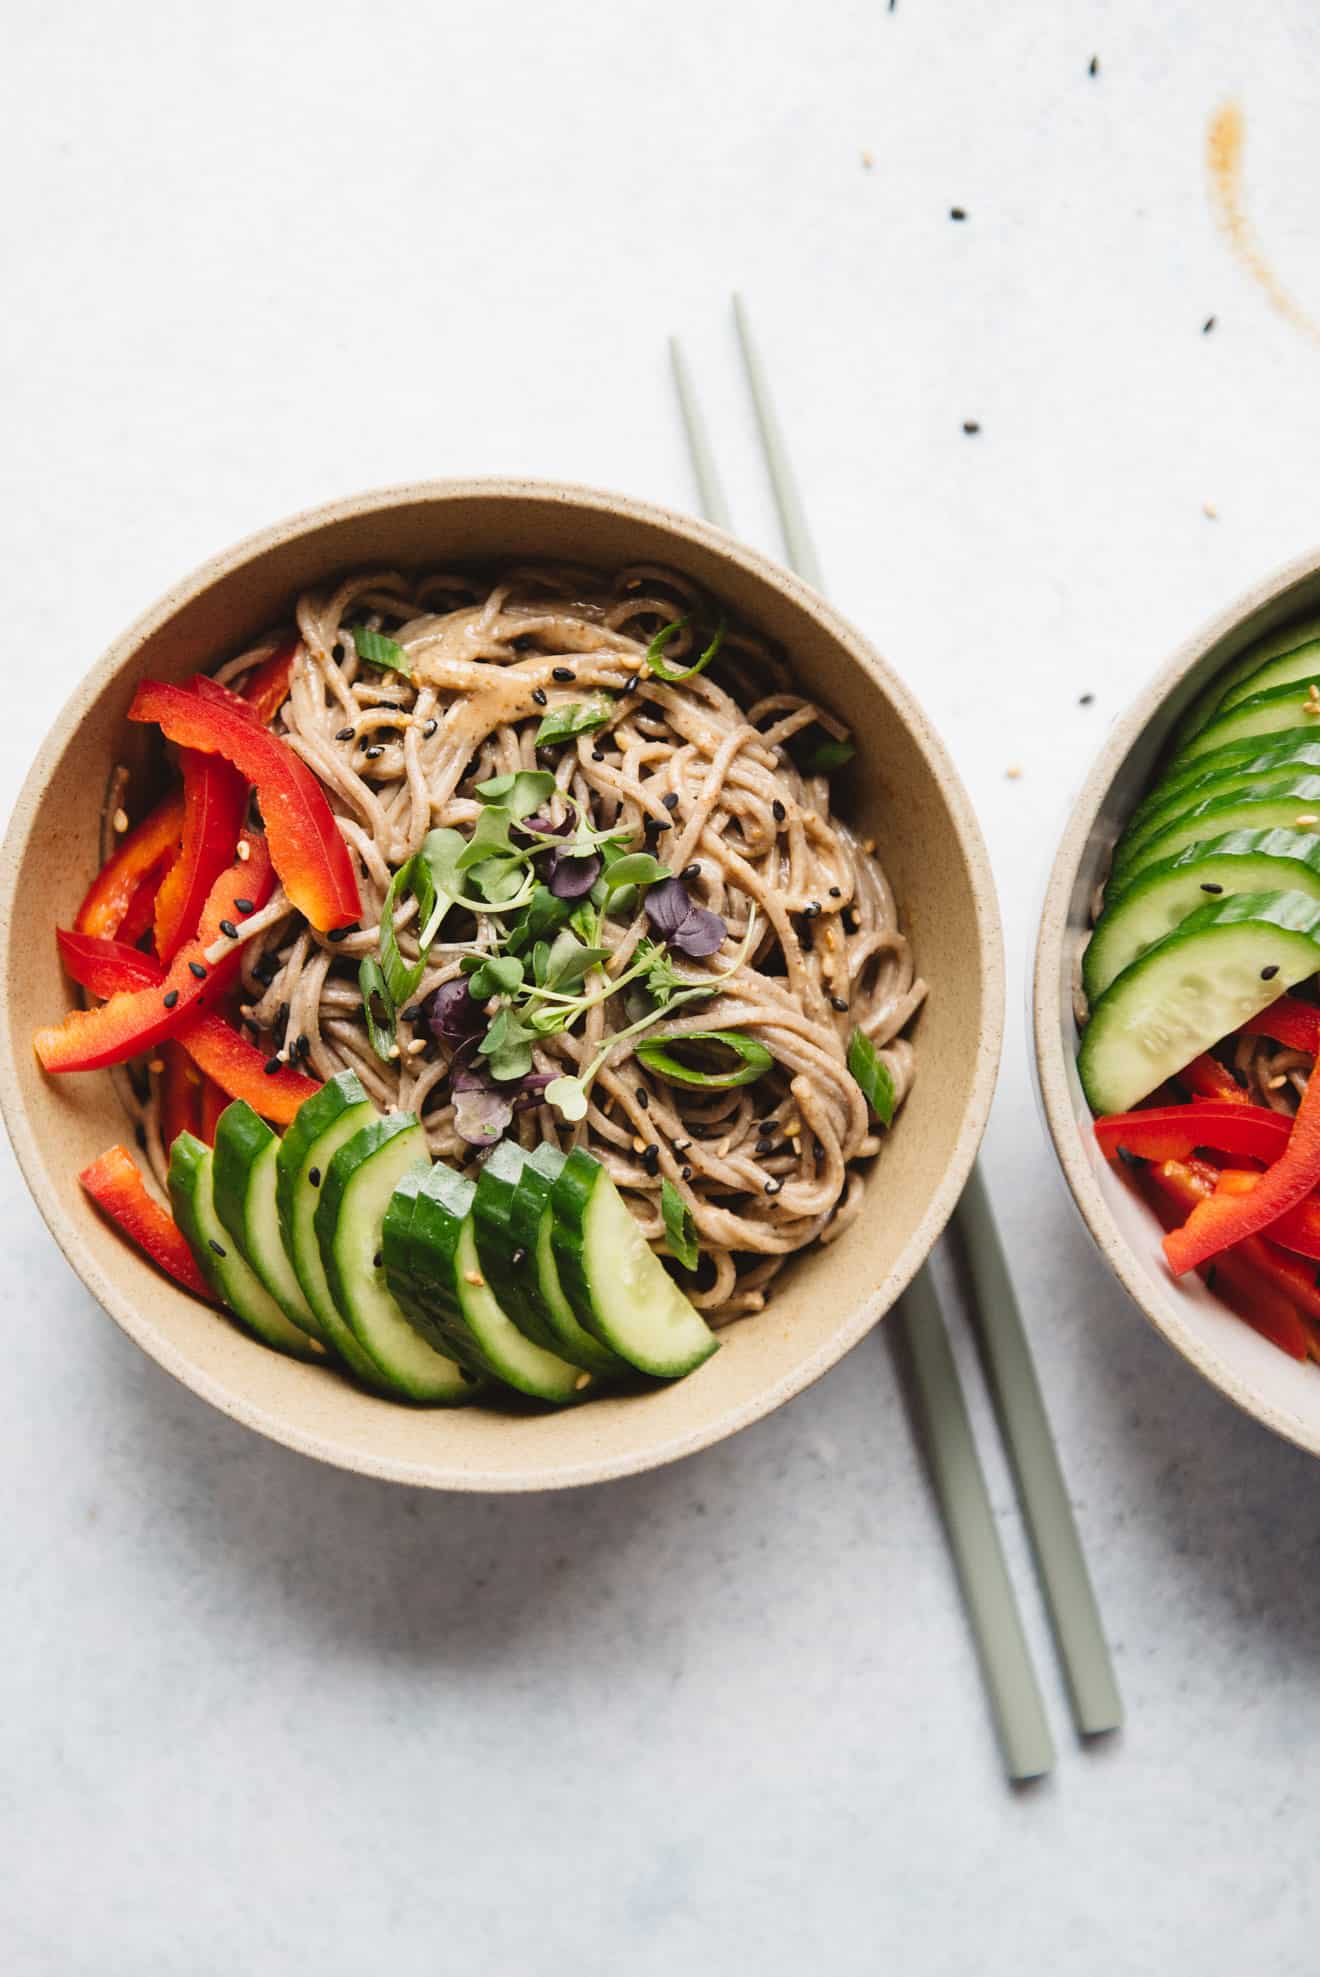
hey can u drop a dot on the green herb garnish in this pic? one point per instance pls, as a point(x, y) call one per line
point(376, 1006)
point(754, 1060)
point(654, 651)
point(378, 650)
point(636, 868)
point(872, 1075)
point(827, 755)
point(579, 718)
point(680, 1229)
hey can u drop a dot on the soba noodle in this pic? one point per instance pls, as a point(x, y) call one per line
point(701, 775)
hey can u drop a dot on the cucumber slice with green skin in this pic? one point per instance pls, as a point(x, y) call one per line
point(349, 1221)
point(1289, 806)
point(243, 1179)
point(463, 1307)
point(1302, 663)
point(425, 1292)
point(320, 1127)
point(618, 1288)
point(1162, 896)
point(1195, 986)
point(1263, 714)
point(1211, 697)
point(531, 1224)
point(503, 1261)
point(1295, 751)
point(218, 1258)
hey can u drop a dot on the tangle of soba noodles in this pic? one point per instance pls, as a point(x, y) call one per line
point(700, 773)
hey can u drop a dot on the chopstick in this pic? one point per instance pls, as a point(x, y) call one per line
point(960, 1484)
point(1010, 1369)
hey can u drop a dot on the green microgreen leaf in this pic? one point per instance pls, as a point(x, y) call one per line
point(378, 650)
point(654, 651)
point(506, 1047)
point(637, 868)
point(377, 1006)
point(498, 974)
point(545, 915)
point(578, 717)
point(490, 837)
point(872, 1075)
point(568, 1096)
point(520, 793)
point(754, 1060)
point(569, 962)
point(680, 1229)
point(442, 850)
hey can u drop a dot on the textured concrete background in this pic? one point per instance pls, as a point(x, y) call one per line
point(264, 1717)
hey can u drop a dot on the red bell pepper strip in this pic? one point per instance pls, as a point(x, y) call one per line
point(215, 1047)
point(214, 805)
point(1228, 1218)
point(133, 1020)
point(118, 1190)
point(1289, 1021)
point(140, 918)
point(1238, 1275)
point(312, 859)
point(145, 851)
point(180, 1088)
point(266, 687)
point(1298, 1230)
point(1206, 1077)
point(1172, 1132)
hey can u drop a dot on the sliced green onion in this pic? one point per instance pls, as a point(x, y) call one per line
point(656, 664)
point(378, 650)
point(872, 1075)
point(377, 1006)
point(680, 1229)
point(828, 755)
point(754, 1060)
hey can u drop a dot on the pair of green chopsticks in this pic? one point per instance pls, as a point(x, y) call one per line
point(1010, 1677)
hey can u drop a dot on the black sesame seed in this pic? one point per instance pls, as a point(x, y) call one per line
point(518, 1258)
point(563, 674)
point(1268, 974)
point(345, 734)
point(271, 1066)
point(1093, 66)
point(1209, 886)
point(171, 998)
point(686, 1173)
point(971, 425)
point(659, 823)
point(671, 801)
point(957, 213)
point(218, 1247)
point(1208, 325)
point(196, 969)
point(651, 1160)
point(314, 1177)
point(229, 930)
point(598, 754)
point(540, 696)
point(411, 1015)
point(643, 1097)
point(778, 811)
point(773, 1187)
point(836, 892)
point(243, 907)
point(811, 911)
point(630, 684)
point(373, 754)
point(765, 1146)
point(429, 730)
point(692, 871)
point(298, 1048)
point(140, 1135)
point(1085, 699)
point(837, 1002)
point(378, 1259)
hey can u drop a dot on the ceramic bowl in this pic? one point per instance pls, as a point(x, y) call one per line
point(905, 791)
point(1260, 1378)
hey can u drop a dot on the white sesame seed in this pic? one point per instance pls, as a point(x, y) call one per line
point(475, 1278)
point(120, 821)
point(1209, 510)
point(244, 851)
point(582, 1380)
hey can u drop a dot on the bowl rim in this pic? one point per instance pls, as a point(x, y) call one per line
point(962, 820)
point(1051, 1054)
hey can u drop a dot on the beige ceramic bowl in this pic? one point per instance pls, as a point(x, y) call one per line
point(907, 793)
point(1260, 1378)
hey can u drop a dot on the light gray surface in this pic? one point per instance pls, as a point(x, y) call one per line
point(264, 1717)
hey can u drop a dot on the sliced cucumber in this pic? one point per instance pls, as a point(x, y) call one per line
point(1262, 714)
point(1228, 960)
point(1255, 656)
point(1294, 752)
point(349, 1220)
point(322, 1124)
point(1162, 896)
point(1302, 662)
point(618, 1289)
point(531, 1224)
point(462, 1308)
point(1288, 806)
point(218, 1258)
point(243, 1176)
point(503, 1261)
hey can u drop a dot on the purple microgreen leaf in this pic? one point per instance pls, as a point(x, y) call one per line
point(573, 878)
point(481, 1114)
point(667, 906)
point(452, 1014)
point(701, 933)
